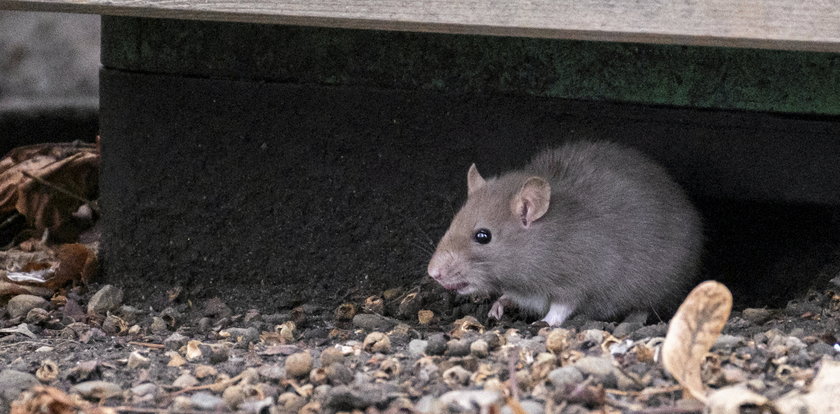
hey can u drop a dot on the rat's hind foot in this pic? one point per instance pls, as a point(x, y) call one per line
point(498, 308)
point(557, 314)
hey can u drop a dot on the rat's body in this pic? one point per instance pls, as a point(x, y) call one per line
point(590, 227)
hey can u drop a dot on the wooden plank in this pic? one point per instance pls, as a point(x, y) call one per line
point(812, 25)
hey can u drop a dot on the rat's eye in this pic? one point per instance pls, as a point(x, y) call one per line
point(482, 236)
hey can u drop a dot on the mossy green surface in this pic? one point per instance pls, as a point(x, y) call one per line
point(704, 77)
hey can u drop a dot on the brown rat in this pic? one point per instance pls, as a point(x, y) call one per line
point(592, 228)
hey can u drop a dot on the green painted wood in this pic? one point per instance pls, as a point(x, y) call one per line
point(704, 77)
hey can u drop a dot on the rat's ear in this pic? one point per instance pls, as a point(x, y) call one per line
point(532, 201)
point(474, 180)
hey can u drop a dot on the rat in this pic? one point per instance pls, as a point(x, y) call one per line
point(594, 228)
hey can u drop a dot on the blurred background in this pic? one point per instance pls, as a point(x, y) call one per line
point(49, 86)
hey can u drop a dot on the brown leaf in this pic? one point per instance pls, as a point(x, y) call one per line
point(48, 182)
point(76, 263)
point(693, 331)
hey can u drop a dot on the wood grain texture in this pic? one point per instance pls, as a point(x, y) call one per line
point(771, 24)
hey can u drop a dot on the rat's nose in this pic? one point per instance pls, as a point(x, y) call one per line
point(435, 268)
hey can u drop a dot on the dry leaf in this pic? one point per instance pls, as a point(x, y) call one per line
point(76, 263)
point(193, 351)
point(51, 400)
point(175, 359)
point(48, 182)
point(465, 325)
point(729, 400)
point(693, 331)
point(822, 395)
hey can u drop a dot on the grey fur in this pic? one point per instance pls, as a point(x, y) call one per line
point(619, 235)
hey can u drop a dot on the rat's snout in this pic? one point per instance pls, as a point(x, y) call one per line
point(444, 270)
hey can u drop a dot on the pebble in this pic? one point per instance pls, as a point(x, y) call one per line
point(650, 331)
point(338, 374)
point(36, 316)
point(242, 336)
point(203, 371)
point(204, 400)
point(821, 348)
point(13, 382)
point(185, 381)
point(377, 342)
point(470, 399)
point(344, 397)
point(216, 308)
point(234, 395)
point(600, 369)
point(298, 365)
point(107, 298)
point(144, 389)
point(97, 389)
point(479, 348)
point(626, 328)
point(290, 402)
point(137, 360)
point(756, 315)
point(727, 342)
point(20, 305)
point(436, 345)
point(417, 347)
point(410, 305)
point(373, 322)
point(456, 375)
point(331, 356)
point(272, 372)
point(561, 377)
point(457, 348)
point(528, 407)
point(158, 325)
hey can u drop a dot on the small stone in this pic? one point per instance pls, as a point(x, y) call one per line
point(373, 304)
point(338, 374)
point(216, 308)
point(219, 354)
point(298, 365)
point(175, 359)
point(144, 389)
point(47, 372)
point(756, 315)
point(45, 349)
point(185, 381)
point(561, 377)
point(137, 360)
point(347, 398)
point(600, 369)
point(204, 400)
point(203, 371)
point(821, 348)
point(331, 356)
point(158, 325)
point(36, 316)
point(20, 305)
point(470, 399)
point(14, 382)
point(417, 347)
point(345, 312)
point(650, 331)
point(97, 390)
point(181, 403)
point(436, 345)
point(377, 342)
point(727, 342)
point(290, 402)
point(175, 341)
point(626, 328)
point(410, 305)
point(479, 348)
point(456, 375)
point(493, 339)
point(425, 316)
point(134, 330)
point(106, 299)
point(242, 336)
point(373, 322)
point(272, 372)
point(392, 293)
point(234, 395)
point(528, 407)
point(457, 348)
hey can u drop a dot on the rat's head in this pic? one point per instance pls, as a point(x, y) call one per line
point(486, 239)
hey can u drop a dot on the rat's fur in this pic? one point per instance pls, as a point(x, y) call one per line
point(619, 235)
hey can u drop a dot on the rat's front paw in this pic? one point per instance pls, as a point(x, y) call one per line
point(498, 308)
